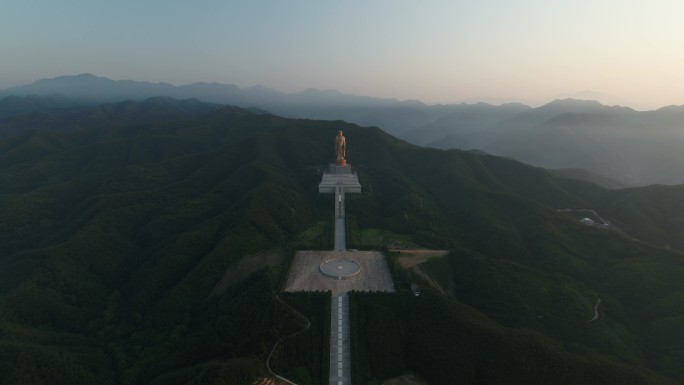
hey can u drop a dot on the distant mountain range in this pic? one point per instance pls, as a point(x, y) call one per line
point(392, 114)
point(628, 146)
point(618, 144)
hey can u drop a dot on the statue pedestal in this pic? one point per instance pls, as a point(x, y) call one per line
point(340, 168)
point(339, 175)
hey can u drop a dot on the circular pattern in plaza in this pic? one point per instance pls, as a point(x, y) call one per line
point(340, 268)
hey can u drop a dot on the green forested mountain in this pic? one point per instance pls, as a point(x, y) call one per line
point(140, 250)
point(12, 105)
point(45, 115)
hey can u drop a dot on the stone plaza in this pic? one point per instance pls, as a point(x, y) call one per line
point(306, 275)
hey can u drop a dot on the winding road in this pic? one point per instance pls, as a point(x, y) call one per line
point(596, 312)
point(307, 325)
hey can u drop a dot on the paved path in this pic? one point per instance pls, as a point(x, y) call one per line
point(305, 274)
point(305, 326)
point(340, 354)
point(340, 233)
point(596, 312)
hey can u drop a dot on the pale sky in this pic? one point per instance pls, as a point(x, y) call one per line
point(434, 51)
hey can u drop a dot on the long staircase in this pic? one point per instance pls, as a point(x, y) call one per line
point(340, 232)
point(340, 352)
point(340, 348)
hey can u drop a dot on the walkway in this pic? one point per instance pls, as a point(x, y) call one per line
point(340, 354)
point(340, 232)
point(305, 275)
point(596, 312)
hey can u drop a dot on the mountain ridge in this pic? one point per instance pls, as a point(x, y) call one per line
point(633, 147)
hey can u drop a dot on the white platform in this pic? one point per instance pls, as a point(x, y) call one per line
point(341, 176)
